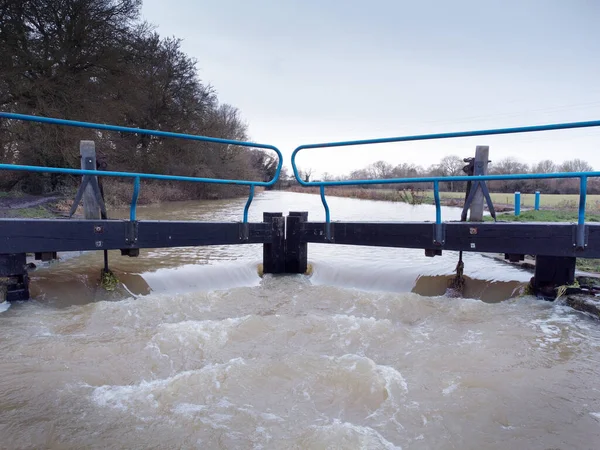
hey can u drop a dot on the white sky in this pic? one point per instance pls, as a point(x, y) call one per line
point(307, 71)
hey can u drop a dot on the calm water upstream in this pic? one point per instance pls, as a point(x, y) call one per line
point(197, 351)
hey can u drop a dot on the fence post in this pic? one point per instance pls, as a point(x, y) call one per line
point(296, 252)
point(482, 153)
point(553, 271)
point(274, 253)
point(517, 203)
point(14, 281)
point(91, 207)
point(537, 200)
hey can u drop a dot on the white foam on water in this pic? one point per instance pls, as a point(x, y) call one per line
point(271, 417)
point(189, 409)
point(349, 434)
point(4, 306)
point(560, 325)
point(354, 275)
point(595, 415)
point(213, 331)
point(207, 277)
point(450, 389)
point(392, 379)
point(123, 397)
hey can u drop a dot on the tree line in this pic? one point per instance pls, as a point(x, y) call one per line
point(453, 165)
point(99, 61)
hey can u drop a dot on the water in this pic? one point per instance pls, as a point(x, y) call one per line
point(199, 352)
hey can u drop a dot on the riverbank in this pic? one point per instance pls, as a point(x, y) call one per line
point(15, 204)
point(392, 195)
point(503, 202)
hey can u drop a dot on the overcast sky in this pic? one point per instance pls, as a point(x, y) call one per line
point(307, 71)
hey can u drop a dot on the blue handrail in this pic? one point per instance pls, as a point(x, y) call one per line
point(138, 176)
point(435, 180)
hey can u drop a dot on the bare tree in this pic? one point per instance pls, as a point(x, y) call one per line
point(508, 166)
point(305, 174)
point(66, 58)
point(545, 166)
point(449, 166)
point(545, 185)
point(381, 170)
point(575, 165)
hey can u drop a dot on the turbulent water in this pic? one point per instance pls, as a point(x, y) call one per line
point(197, 351)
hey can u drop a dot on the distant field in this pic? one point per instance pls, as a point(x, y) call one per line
point(527, 200)
point(547, 201)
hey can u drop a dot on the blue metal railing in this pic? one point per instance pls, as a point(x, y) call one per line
point(138, 176)
point(583, 176)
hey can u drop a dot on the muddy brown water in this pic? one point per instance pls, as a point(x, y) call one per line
point(197, 351)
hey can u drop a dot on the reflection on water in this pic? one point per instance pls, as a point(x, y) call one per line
point(197, 351)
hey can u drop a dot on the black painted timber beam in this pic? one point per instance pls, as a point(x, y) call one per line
point(552, 239)
point(59, 235)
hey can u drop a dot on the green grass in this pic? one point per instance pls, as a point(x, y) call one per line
point(11, 194)
point(528, 200)
point(562, 201)
point(544, 216)
point(588, 265)
point(35, 212)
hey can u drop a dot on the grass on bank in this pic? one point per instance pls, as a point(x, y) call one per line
point(564, 201)
point(34, 212)
point(547, 201)
point(544, 215)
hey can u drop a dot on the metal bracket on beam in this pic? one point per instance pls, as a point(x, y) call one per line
point(131, 239)
point(244, 231)
point(580, 241)
point(329, 232)
point(439, 234)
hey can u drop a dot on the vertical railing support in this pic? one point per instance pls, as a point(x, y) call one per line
point(248, 203)
point(581, 244)
point(274, 252)
point(537, 200)
point(134, 199)
point(296, 252)
point(327, 216)
point(517, 203)
point(438, 237)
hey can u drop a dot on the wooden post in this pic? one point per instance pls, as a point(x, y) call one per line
point(14, 281)
point(274, 253)
point(91, 208)
point(296, 252)
point(482, 153)
point(551, 272)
